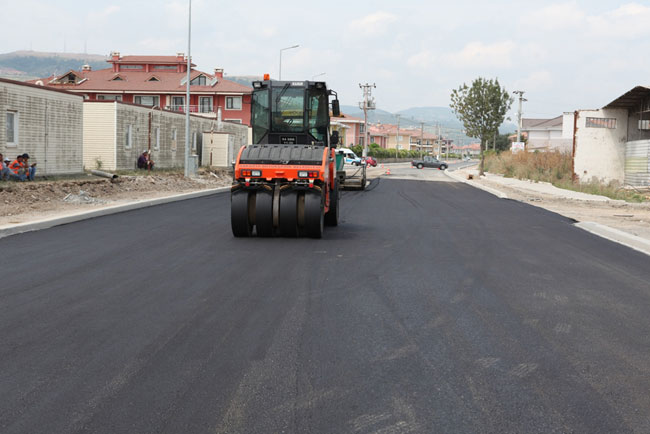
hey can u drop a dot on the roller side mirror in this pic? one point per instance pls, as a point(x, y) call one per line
point(336, 110)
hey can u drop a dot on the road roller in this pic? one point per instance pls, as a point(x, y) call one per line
point(285, 183)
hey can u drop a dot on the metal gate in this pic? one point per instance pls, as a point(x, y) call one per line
point(637, 163)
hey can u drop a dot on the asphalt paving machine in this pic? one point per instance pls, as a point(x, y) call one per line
point(286, 182)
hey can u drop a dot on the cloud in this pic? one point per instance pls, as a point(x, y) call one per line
point(101, 17)
point(554, 17)
point(373, 24)
point(162, 45)
point(629, 21)
point(535, 81)
point(478, 54)
point(423, 60)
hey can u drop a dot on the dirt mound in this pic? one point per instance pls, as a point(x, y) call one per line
point(21, 201)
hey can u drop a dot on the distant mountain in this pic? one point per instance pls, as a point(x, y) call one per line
point(246, 80)
point(412, 117)
point(377, 115)
point(26, 65)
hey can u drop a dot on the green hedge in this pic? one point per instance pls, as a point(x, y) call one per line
point(374, 150)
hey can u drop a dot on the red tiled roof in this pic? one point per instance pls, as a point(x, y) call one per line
point(345, 117)
point(392, 130)
point(150, 59)
point(102, 81)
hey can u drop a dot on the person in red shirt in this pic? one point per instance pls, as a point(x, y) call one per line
point(16, 169)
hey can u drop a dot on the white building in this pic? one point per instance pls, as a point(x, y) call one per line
point(546, 135)
point(116, 133)
point(45, 123)
point(613, 143)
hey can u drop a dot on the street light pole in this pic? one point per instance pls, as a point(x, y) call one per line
point(397, 139)
point(188, 173)
point(281, 50)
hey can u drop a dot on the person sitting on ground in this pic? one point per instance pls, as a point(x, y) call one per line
point(144, 162)
point(30, 170)
point(4, 169)
point(16, 169)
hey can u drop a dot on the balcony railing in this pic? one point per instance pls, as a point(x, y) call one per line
point(193, 108)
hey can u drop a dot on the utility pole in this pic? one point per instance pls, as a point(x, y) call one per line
point(521, 100)
point(397, 139)
point(188, 172)
point(367, 104)
point(439, 140)
point(421, 138)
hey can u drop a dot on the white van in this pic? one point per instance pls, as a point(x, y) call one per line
point(350, 157)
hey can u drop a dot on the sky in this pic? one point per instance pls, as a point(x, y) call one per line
point(564, 55)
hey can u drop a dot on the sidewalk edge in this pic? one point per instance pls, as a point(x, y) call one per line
point(490, 190)
point(616, 235)
point(84, 215)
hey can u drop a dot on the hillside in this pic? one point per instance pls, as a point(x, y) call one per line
point(26, 65)
point(412, 117)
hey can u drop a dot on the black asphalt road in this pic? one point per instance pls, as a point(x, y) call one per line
point(432, 308)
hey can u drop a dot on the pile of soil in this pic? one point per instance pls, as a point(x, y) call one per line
point(28, 201)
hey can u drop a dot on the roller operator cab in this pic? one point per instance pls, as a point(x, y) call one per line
point(285, 183)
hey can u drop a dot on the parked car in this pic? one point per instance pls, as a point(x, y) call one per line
point(371, 161)
point(429, 162)
point(350, 157)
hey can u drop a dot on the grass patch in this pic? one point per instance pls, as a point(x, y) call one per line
point(555, 168)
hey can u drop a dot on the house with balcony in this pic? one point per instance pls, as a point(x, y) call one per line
point(351, 130)
point(158, 81)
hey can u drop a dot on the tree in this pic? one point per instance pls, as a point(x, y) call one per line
point(481, 108)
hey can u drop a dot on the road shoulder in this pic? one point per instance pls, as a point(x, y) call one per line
point(619, 221)
point(71, 217)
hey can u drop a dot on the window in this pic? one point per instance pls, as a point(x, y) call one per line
point(156, 144)
point(70, 78)
point(109, 97)
point(233, 103)
point(12, 129)
point(148, 100)
point(260, 114)
point(205, 104)
point(362, 128)
point(118, 78)
point(130, 66)
point(168, 67)
point(644, 124)
point(178, 102)
point(129, 137)
point(200, 81)
point(153, 79)
point(601, 123)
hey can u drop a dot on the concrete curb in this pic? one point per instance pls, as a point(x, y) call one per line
point(632, 241)
point(8, 230)
point(490, 190)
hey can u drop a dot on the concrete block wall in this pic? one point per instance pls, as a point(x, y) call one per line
point(49, 126)
point(600, 152)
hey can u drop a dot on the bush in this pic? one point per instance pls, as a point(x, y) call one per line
point(536, 166)
point(555, 168)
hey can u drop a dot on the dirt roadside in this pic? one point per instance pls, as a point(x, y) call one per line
point(633, 218)
point(23, 202)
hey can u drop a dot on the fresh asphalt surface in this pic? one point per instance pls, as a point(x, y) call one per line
point(433, 307)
